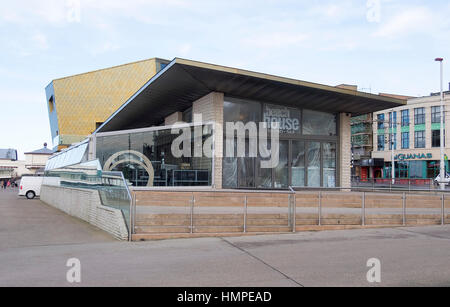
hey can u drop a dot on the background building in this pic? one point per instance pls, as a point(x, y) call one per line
point(79, 104)
point(416, 138)
point(8, 163)
point(36, 160)
point(12, 168)
point(362, 146)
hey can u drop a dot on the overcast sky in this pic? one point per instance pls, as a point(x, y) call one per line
point(382, 46)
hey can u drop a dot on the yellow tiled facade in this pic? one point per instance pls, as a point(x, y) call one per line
point(77, 104)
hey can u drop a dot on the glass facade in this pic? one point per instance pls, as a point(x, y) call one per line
point(307, 148)
point(146, 158)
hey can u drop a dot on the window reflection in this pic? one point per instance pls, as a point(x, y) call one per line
point(146, 159)
point(329, 165)
point(319, 123)
point(298, 164)
point(314, 164)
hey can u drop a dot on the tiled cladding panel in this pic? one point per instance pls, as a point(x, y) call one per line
point(87, 99)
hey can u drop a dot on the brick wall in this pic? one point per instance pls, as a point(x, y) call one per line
point(173, 119)
point(211, 108)
point(345, 150)
point(87, 206)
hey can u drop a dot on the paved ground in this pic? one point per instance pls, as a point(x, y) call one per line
point(36, 241)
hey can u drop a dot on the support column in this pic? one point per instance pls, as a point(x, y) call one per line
point(211, 109)
point(345, 150)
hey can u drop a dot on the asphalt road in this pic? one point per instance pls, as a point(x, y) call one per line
point(36, 241)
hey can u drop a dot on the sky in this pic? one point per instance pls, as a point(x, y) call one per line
point(379, 45)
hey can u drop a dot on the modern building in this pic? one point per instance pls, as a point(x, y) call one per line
point(314, 120)
point(415, 129)
point(79, 104)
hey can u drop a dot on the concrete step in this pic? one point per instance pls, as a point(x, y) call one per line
point(423, 222)
point(218, 229)
point(305, 222)
point(357, 221)
point(380, 222)
point(267, 222)
point(274, 229)
point(161, 229)
point(163, 222)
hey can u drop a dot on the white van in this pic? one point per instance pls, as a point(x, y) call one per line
point(30, 186)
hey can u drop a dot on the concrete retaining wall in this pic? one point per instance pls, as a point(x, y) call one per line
point(87, 206)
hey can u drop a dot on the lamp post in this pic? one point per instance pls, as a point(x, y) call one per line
point(442, 164)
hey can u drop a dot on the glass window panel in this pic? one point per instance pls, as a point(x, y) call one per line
point(319, 123)
point(405, 140)
point(436, 115)
point(230, 167)
point(314, 164)
point(145, 155)
point(381, 140)
point(329, 165)
point(380, 121)
point(239, 110)
point(264, 175)
point(298, 164)
point(416, 169)
point(419, 138)
point(289, 119)
point(282, 169)
point(419, 116)
point(246, 172)
point(405, 118)
point(436, 138)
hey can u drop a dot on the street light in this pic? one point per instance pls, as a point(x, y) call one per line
point(442, 164)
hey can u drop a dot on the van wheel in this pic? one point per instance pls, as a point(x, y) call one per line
point(30, 195)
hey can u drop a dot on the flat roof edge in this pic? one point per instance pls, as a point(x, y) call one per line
point(287, 80)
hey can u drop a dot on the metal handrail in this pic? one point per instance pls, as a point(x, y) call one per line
point(292, 204)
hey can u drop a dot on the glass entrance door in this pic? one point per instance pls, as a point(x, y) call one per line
point(302, 163)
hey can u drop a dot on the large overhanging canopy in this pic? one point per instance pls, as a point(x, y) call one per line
point(183, 81)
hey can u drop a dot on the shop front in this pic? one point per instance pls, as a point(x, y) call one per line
point(308, 147)
point(417, 165)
